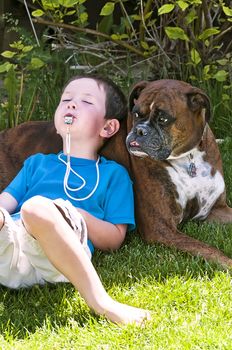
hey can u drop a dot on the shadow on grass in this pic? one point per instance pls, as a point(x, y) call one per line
point(137, 260)
point(24, 311)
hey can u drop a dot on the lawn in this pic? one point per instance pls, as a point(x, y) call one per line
point(190, 299)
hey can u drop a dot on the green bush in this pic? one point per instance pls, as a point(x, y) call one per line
point(133, 40)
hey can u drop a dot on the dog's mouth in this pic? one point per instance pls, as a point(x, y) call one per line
point(155, 151)
point(135, 149)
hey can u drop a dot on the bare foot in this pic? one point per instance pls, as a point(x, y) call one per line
point(125, 314)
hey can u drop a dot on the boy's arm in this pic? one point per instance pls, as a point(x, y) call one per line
point(103, 234)
point(8, 202)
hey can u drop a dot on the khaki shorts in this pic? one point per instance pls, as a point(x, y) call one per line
point(22, 261)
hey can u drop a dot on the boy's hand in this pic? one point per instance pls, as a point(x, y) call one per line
point(103, 234)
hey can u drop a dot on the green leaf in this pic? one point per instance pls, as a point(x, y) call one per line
point(18, 45)
point(83, 17)
point(70, 13)
point(190, 16)
point(37, 13)
point(68, 3)
point(144, 45)
point(107, 9)
point(206, 69)
point(165, 9)
point(115, 36)
point(183, 5)
point(8, 54)
point(195, 57)
point(221, 75)
point(196, 2)
point(5, 67)
point(225, 97)
point(148, 15)
point(208, 32)
point(119, 36)
point(105, 25)
point(50, 5)
point(176, 33)
point(227, 11)
point(223, 61)
point(136, 17)
point(226, 87)
point(36, 63)
point(27, 48)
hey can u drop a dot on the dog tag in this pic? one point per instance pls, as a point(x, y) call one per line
point(192, 170)
point(68, 119)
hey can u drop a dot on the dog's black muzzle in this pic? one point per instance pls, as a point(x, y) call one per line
point(148, 140)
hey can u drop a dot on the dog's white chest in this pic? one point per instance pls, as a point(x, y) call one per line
point(204, 187)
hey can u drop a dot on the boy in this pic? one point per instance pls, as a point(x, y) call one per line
point(62, 198)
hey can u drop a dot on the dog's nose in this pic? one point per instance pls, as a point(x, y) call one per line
point(141, 130)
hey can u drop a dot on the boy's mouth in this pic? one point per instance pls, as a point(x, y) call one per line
point(68, 119)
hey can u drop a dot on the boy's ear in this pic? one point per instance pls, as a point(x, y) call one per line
point(110, 128)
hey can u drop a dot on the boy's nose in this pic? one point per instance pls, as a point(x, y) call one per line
point(72, 105)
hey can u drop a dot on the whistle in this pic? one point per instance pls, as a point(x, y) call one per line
point(68, 119)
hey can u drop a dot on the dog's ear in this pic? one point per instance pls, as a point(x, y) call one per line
point(197, 100)
point(135, 92)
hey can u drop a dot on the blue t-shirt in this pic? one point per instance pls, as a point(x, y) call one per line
point(44, 175)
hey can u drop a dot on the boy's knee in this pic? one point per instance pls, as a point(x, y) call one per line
point(36, 209)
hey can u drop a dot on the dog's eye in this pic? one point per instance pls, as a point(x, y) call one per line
point(136, 115)
point(162, 118)
point(136, 112)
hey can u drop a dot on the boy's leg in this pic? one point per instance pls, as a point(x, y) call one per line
point(64, 250)
point(15, 269)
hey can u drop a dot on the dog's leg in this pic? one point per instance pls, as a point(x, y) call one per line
point(220, 212)
point(171, 237)
point(220, 215)
point(190, 245)
point(162, 231)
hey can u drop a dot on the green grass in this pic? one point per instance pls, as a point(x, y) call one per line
point(190, 302)
point(190, 299)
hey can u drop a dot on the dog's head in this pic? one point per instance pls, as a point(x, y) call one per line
point(168, 118)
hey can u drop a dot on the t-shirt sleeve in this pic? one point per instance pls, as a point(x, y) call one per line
point(18, 186)
point(119, 203)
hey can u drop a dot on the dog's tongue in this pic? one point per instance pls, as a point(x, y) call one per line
point(134, 144)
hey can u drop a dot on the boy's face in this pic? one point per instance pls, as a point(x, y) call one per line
point(85, 101)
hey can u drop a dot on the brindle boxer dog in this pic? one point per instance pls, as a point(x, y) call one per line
point(175, 162)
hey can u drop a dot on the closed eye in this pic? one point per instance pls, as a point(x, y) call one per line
point(89, 103)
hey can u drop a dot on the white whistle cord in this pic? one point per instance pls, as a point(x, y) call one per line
point(69, 169)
